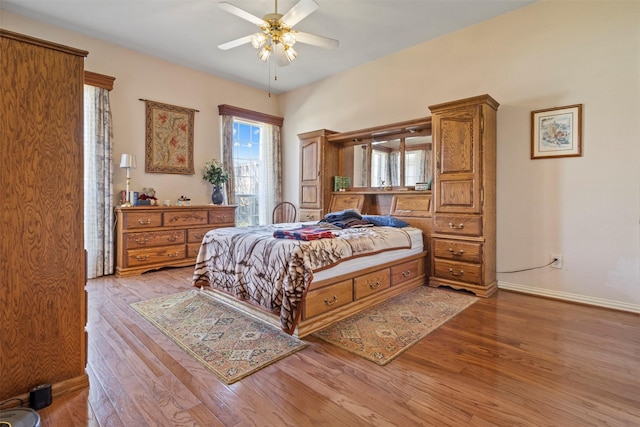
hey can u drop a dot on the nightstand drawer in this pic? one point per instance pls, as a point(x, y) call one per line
point(371, 283)
point(461, 225)
point(457, 250)
point(153, 238)
point(163, 254)
point(193, 249)
point(325, 299)
point(132, 220)
point(458, 271)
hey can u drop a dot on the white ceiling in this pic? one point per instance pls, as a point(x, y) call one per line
point(188, 31)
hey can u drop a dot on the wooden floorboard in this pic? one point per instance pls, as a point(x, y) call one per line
point(509, 360)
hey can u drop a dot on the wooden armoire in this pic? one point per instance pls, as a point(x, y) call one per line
point(320, 161)
point(463, 246)
point(43, 311)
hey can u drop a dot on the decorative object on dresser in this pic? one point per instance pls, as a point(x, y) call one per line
point(128, 161)
point(44, 307)
point(556, 132)
point(464, 189)
point(169, 138)
point(215, 174)
point(150, 237)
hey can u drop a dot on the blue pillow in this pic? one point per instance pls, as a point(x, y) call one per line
point(385, 220)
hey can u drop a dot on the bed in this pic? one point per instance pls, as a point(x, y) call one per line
point(304, 283)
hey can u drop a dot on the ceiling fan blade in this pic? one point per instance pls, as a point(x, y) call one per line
point(235, 43)
point(315, 40)
point(234, 10)
point(297, 13)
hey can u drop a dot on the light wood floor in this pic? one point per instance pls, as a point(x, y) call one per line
point(510, 360)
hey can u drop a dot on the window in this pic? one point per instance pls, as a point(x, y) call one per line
point(247, 164)
point(251, 151)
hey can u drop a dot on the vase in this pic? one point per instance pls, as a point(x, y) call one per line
point(217, 197)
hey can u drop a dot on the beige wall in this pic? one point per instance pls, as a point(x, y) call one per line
point(551, 53)
point(142, 76)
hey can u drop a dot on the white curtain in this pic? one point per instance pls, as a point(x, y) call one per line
point(227, 156)
point(98, 191)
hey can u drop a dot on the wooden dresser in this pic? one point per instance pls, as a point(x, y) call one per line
point(464, 227)
point(44, 308)
point(152, 237)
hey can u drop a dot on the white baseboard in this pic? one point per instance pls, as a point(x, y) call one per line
point(616, 305)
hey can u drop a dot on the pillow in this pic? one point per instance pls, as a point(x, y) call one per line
point(385, 220)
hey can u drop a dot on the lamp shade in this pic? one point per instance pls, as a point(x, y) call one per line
point(128, 161)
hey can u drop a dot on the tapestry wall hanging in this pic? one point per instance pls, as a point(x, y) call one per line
point(169, 133)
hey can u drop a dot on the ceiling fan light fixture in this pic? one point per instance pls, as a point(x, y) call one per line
point(258, 40)
point(290, 53)
point(288, 38)
point(264, 53)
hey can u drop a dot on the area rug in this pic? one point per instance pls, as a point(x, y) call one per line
point(383, 332)
point(229, 343)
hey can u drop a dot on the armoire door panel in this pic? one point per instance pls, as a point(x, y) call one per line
point(457, 196)
point(456, 145)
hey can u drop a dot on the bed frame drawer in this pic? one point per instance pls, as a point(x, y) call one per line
point(324, 299)
point(407, 271)
point(161, 254)
point(457, 250)
point(371, 283)
point(154, 238)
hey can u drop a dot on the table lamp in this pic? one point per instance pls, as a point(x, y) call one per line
point(128, 161)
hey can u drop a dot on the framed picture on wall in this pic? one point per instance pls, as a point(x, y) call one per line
point(556, 132)
point(169, 135)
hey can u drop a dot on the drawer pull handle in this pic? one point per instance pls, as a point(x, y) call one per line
point(406, 273)
point(453, 273)
point(459, 253)
point(333, 301)
point(173, 255)
point(142, 257)
point(171, 238)
point(141, 241)
point(142, 222)
point(456, 227)
point(375, 285)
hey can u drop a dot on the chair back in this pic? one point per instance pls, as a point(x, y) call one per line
point(284, 212)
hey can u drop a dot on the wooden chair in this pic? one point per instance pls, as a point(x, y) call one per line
point(284, 212)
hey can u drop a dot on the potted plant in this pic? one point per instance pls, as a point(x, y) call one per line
point(215, 174)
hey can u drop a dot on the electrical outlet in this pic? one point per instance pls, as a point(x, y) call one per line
point(558, 261)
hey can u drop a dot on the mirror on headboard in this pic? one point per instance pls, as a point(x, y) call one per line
point(393, 156)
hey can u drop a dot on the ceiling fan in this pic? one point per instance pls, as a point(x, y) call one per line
point(276, 34)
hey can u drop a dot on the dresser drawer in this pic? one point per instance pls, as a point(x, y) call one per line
point(163, 254)
point(324, 299)
point(457, 250)
point(153, 238)
point(461, 225)
point(310, 215)
point(458, 271)
point(190, 217)
point(407, 271)
point(133, 220)
point(371, 283)
point(223, 216)
point(195, 235)
point(193, 249)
